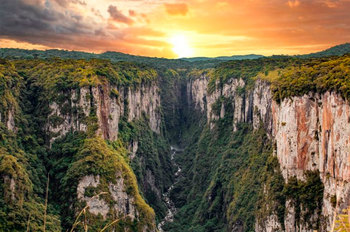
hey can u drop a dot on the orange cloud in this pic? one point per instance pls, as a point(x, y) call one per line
point(212, 27)
point(132, 13)
point(293, 3)
point(331, 3)
point(176, 8)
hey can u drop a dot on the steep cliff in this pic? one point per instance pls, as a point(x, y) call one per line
point(309, 134)
point(70, 106)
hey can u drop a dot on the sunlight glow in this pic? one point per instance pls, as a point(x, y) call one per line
point(181, 46)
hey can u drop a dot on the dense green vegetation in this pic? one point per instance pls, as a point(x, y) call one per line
point(225, 58)
point(288, 76)
point(18, 54)
point(59, 75)
point(22, 154)
point(188, 63)
point(247, 70)
point(223, 172)
point(316, 75)
point(151, 162)
point(307, 195)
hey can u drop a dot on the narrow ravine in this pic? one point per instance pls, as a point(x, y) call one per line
point(166, 196)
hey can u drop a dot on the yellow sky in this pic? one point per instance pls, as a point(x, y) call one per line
point(169, 28)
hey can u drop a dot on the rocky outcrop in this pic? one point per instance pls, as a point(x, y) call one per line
point(8, 118)
point(197, 92)
point(121, 203)
point(10, 124)
point(10, 182)
point(310, 133)
point(270, 224)
point(95, 205)
point(111, 103)
point(124, 204)
point(145, 99)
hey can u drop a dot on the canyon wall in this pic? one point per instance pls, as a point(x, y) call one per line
point(251, 106)
point(309, 133)
point(111, 103)
point(106, 105)
point(312, 133)
point(119, 114)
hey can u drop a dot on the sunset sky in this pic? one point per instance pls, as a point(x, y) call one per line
point(169, 28)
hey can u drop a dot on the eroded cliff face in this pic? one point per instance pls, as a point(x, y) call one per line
point(122, 204)
point(8, 118)
point(107, 105)
point(253, 105)
point(111, 104)
point(197, 92)
point(310, 133)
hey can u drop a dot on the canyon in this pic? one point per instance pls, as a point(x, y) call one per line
point(108, 150)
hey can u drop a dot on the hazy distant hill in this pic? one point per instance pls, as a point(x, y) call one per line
point(201, 62)
point(237, 57)
point(338, 50)
point(13, 53)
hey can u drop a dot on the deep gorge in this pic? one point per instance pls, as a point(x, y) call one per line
point(265, 144)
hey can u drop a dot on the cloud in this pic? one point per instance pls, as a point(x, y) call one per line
point(65, 3)
point(118, 16)
point(331, 3)
point(46, 23)
point(96, 12)
point(293, 3)
point(220, 27)
point(18, 18)
point(132, 13)
point(176, 8)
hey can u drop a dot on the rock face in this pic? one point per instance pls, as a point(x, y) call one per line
point(95, 205)
point(11, 120)
point(10, 182)
point(197, 92)
point(253, 106)
point(107, 105)
point(311, 132)
point(124, 205)
point(8, 118)
point(111, 103)
point(121, 204)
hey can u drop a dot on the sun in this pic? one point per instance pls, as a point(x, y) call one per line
point(181, 46)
